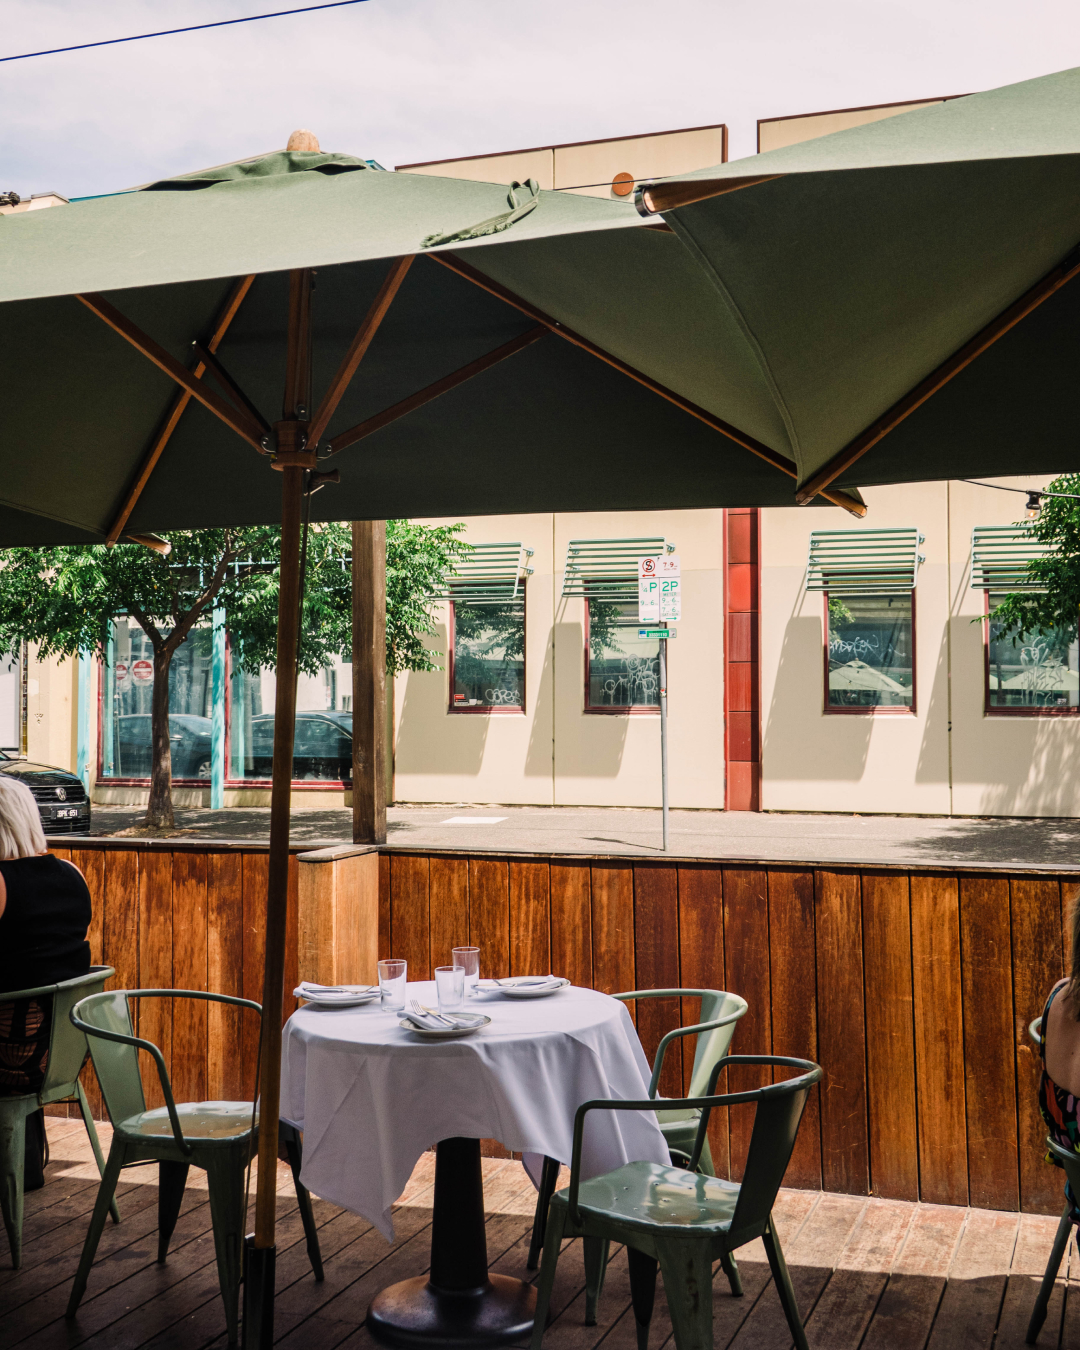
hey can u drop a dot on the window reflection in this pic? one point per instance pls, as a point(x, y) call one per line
point(489, 656)
point(623, 669)
point(322, 750)
point(870, 651)
point(1039, 668)
point(127, 693)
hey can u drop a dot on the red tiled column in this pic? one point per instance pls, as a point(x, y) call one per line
point(742, 729)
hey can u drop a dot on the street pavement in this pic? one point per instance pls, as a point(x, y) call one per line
point(759, 836)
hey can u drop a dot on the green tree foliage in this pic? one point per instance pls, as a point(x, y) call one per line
point(1054, 609)
point(64, 599)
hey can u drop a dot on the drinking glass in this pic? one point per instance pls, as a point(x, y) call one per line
point(392, 974)
point(468, 958)
point(449, 985)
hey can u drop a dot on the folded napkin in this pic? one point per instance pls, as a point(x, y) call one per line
point(309, 989)
point(524, 982)
point(431, 1022)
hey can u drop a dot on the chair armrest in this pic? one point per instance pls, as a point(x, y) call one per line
point(196, 993)
point(163, 1073)
point(661, 1049)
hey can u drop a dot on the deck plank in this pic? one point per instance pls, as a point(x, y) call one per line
point(905, 1312)
point(1033, 1243)
point(971, 1304)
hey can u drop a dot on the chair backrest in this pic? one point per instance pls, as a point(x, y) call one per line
point(776, 1125)
point(115, 1063)
point(1069, 1159)
point(713, 1045)
point(67, 1044)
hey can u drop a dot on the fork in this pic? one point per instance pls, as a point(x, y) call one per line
point(421, 1011)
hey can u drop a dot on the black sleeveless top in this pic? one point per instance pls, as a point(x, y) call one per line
point(43, 926)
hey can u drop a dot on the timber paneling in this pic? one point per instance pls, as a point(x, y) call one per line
point(913, 989)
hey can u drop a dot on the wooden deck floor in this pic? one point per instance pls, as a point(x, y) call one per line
point(877, 1274)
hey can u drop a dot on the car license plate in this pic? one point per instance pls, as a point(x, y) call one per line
point(66, 812)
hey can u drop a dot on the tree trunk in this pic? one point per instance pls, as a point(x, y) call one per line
point(159, 810)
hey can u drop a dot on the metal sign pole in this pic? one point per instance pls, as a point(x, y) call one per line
point(663, 737)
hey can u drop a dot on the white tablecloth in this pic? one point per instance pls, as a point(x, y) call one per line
point(371, 1097)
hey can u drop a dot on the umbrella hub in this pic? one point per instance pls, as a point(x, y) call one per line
point(290, 447)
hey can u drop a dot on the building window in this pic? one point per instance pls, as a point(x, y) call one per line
point(622, 670)
point(870, 653)
point(1034, 672)
point(126, 692)
point(487, 657)
point(322, 750)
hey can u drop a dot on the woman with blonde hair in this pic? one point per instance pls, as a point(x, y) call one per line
point(44, 914)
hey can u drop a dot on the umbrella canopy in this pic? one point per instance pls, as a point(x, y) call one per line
point(819, 296)
point(858, 675)
point(1041, 679)
point(207, 259)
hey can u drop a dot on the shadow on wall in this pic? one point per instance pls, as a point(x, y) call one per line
point(540, 756)
point(799, 743)
point(1051, 785)
point(933, 764)
point(429, 739)
point(587, 745)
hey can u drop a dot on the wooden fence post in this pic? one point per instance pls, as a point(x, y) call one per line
point(338, 915)
point(369, 681)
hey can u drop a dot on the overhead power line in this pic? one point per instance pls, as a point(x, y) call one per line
point(191, 28)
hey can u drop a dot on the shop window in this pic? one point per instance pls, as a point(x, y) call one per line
point(622, 670)
point(1034, 672)
point(126, 693)
point(322, 751)
point(487, 657)
point(870, 652)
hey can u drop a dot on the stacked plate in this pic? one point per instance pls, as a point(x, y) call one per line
point(336, 995)
point(444, 1025)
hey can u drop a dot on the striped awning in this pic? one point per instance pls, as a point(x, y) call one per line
point(864, 562)
point(1000, 555)
point(607, 569)
point(490, 574)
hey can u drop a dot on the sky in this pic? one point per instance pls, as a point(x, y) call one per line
point(406, 80)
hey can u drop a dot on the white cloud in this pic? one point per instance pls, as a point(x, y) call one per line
point(402, 80)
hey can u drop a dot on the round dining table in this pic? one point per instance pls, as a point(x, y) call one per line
point(371, 1096)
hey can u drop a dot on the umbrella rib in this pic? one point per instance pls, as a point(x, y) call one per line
point(756, 447)
point(169, 365)
point(432, 391)
point(937, 379)
point(657, 197)
point(358, 347)
point(236, 394)
point(172, 419)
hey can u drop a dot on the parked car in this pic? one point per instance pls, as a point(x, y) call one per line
point(322, 748)
point(62, 801)
point(190, 737)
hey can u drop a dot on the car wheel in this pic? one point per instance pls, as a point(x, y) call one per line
point(202, 770)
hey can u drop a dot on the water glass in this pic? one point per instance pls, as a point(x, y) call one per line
point(392, 976)
point(468, 958)
point(450, 987)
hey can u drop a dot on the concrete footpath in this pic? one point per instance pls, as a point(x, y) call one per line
point(768, 837)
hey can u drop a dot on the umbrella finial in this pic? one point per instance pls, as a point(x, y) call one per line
point(303, 140)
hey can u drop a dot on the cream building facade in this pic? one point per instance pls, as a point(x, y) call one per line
point(754, 721)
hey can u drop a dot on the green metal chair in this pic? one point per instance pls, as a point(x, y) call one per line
point(67, 1055)
point(216, 1136)
point(1070, 1160)
point(719, 1012)
point(679, 1218)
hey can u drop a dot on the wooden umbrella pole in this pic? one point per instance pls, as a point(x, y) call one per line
point(292, 457)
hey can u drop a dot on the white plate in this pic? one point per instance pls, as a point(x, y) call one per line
point(444, 1033)
point(351, 996)
point(524, 988)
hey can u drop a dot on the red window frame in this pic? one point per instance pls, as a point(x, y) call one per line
point(831, 711)
point(988, 709)
point(126, 781)
point(484, 709)
point(607, 709)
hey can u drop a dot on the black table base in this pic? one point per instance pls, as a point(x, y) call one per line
point(459, 1304)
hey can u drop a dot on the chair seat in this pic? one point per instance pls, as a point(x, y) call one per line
point(643, 1194)
point(198, 1120)
point(682, 1118)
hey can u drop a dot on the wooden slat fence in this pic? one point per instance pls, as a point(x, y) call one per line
point(912, 987)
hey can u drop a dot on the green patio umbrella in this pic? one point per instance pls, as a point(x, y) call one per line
point(163, 350)
point(886, 304)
